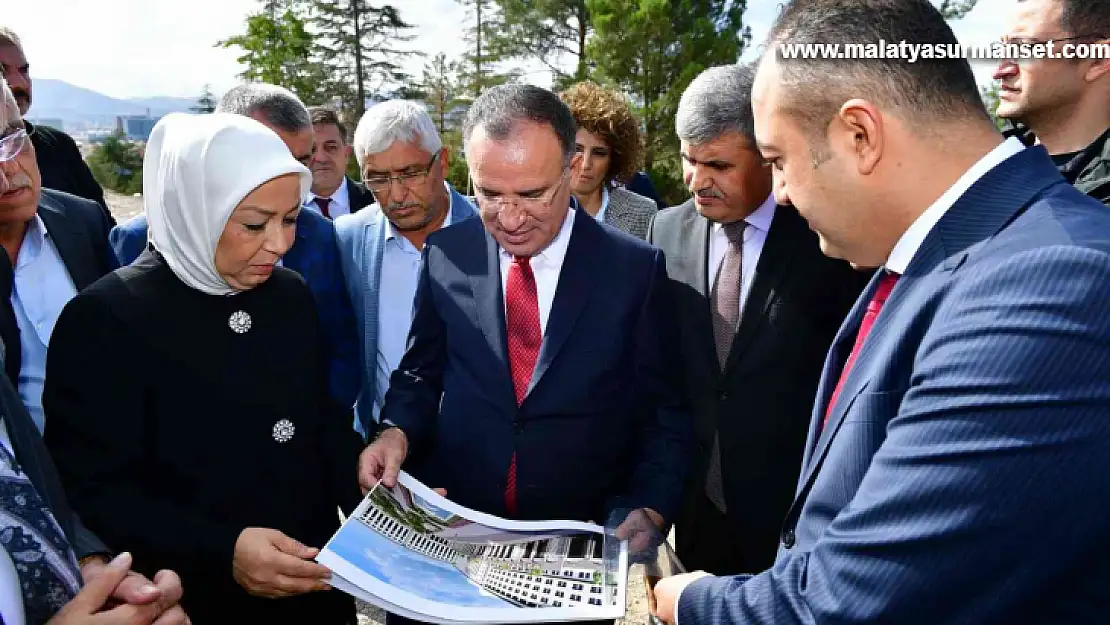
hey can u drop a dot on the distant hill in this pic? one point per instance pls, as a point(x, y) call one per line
point(81, 108)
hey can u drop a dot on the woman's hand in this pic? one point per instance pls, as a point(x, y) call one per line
point(268, 563)
point(93, 605)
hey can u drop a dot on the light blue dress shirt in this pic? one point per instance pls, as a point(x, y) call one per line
point(396, 292)
point(41, 289)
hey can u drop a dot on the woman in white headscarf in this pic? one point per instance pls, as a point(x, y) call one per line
point(188, 408)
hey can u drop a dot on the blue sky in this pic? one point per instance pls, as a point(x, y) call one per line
point(138, 48)
point(409, 571)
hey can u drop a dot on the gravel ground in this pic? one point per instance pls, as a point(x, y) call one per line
point(125, 207)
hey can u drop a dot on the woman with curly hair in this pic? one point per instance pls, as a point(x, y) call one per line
point(609, 144)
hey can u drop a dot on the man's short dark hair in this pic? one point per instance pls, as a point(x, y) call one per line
point(322, 115)
point(499, 109)
point(1085, 18)
point(277, 104)
point(930, 91)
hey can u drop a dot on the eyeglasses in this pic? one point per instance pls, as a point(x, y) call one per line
point(12, 144)
point(410, 179)
point(493, 206)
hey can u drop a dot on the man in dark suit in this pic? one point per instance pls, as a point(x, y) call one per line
point(56, 244)
point(35, 287)
point(60, 162)
point(539, 380)
point(759, 305)
point(333, 193)
point(315, 250)
point(960, 441)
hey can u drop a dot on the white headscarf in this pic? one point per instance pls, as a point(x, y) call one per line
point(196, 170)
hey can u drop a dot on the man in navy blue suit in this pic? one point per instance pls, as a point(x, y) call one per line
point(315, 251)
point(958, 458)
point(537, 381)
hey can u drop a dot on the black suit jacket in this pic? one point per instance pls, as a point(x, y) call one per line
point(62, 167)
point(34, 459)
point(79, 230)
point(761, 403)
point(358, 195)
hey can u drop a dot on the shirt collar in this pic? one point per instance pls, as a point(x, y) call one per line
point(391, 232)
point(604, 203)
point(760, 219)
point(33, 241)
point(338, 197)
point(911, 240)
point(555, 251)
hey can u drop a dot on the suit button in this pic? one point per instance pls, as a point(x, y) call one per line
point(518, 427)
point(788, 538)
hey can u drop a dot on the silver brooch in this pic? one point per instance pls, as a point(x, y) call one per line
point(239, 322)
point(283, 430)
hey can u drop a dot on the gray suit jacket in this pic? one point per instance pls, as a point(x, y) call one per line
point(630, 212)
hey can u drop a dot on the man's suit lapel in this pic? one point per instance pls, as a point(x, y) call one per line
point(83, 269)
point(485, 282)
point(576, 278)
point(372, 250)
point(774, 262)
point(978, 214)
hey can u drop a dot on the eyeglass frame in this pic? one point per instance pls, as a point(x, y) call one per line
point(516, 200)
point(19, 135)
point(402, 179)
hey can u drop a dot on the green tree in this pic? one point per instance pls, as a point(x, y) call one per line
point(548, 31)
point(278, 49)
point(486, 49)
point(358, 41)
point(991, 100)
point(956, 9)
point(117, 164)
point(651, 50)
point(441, 92)
point(206, 103)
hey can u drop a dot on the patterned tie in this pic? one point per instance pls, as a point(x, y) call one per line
point(882, 292)
point(323, 203)
point(725, 302)
point(524, 339)
point(44, 561)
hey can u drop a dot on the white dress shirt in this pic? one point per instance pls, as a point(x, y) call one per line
point(340, 201)
point(42, 287)
point(755, 235)
point(911, 240)
point(545, 266)
point(396, 292)
point(600, 216)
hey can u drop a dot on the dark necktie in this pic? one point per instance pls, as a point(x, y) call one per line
point(725, 302)
point(44, 561)
point(874, 307)
point(323, 203)
point(522, 322)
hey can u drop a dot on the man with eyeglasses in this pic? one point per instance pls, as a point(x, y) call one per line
point(60, 162)
point(315, 252)
point(404, 165)
point(1063, 104)
point(539, 379)
point(333, 193)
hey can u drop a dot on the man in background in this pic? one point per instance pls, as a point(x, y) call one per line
point(60, 161)
point(333, 193)
point(1064, 103)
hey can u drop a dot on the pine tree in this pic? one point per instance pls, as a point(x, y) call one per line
point(358, 42)
point(486, 49)
point(206, 103)
point(550, 31)
point(440, 87)
point(279, 50)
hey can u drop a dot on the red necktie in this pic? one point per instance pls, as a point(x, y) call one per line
point(522, 321)
point(886, 285)
point(323, 203)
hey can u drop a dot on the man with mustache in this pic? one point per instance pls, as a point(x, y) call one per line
point(758, 307)
point(60, 162)
point(1064, 103)
point(333, 193)
point(404, 164)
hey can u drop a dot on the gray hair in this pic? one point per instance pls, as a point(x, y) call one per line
point(9, 38)
point(394, 120)
point(277, 105)
point(717, 102)
point(9, 110)
point(499, 109)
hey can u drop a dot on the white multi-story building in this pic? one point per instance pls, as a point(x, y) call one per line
point(558, 572)
point(425, 544)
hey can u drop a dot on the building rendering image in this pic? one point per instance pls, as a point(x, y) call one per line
point(523, 569)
